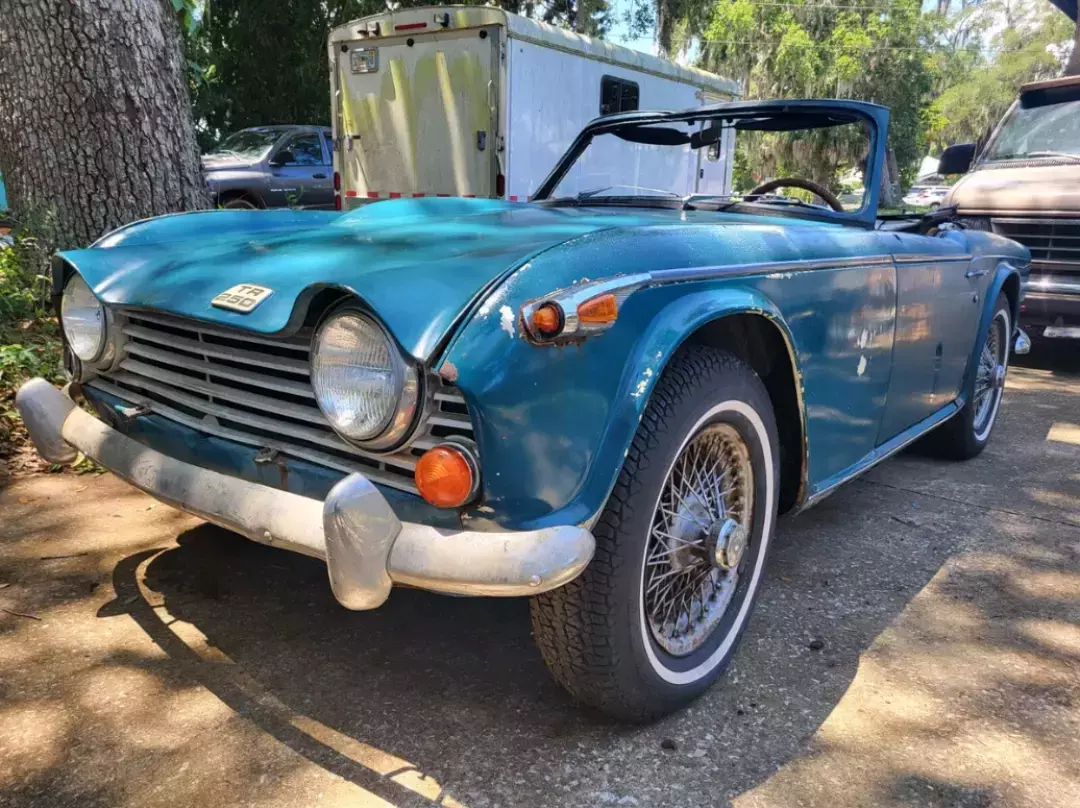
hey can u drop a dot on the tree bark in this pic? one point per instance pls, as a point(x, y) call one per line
point(1072, 67)
point(95, 120)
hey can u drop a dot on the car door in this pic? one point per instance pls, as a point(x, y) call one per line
point(300, 173)
point(937, 309)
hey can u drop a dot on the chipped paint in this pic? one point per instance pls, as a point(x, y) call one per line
point(448, 372)
point(864, 340)
point(506, 319)
point(776, 276)
point(862, 365)
point(643, 383)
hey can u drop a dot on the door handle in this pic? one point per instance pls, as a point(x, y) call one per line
point(318, 176)
point(975, 273)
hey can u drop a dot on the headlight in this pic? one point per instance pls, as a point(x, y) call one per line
point(364, 388)
point(83, 319)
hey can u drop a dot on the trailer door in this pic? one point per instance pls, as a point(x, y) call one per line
point(416, 115)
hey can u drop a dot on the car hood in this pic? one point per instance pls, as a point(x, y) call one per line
point(417, 263)
point(218, 162)
point(420, 264)
point(1023, 189)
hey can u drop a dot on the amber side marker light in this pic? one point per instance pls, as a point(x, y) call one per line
point(547, 320)
point(599, 309)
point(445, 476)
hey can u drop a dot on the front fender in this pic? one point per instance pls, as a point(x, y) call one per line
point(1003, 272)
point(554, 424)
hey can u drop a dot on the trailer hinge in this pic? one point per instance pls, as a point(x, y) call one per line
point(500, 143)
point(502, 52)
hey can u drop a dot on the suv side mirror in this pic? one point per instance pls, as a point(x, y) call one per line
point(957, 159)
point(283, 157)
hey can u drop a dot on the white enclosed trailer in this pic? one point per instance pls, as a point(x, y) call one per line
point(476, 101)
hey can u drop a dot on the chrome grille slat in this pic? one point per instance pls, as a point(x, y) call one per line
point(298, 343)
point(323, 438)
point(296, 388)
point(376, 473)
point(1055, 241)
point(226, 383)
point(262, 360)
point(310, 414)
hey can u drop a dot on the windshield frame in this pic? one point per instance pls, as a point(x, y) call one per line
point(787, 115)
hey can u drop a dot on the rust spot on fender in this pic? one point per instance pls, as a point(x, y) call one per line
point(448, 372)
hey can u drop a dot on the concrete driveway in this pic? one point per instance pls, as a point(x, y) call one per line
point(917, 643)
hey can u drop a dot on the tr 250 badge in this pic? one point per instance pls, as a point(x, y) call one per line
point(243, 297)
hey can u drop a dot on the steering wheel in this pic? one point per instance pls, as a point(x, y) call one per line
point(799, 182)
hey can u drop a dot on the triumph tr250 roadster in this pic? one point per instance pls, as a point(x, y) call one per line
point(600, 399)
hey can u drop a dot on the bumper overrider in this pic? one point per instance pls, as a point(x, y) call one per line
point(366, 547)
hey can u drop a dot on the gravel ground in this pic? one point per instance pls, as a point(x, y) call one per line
point(917, 644)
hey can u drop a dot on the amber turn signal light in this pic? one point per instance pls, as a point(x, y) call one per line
point(599, 309)
point(547, 320)
point(445, 476)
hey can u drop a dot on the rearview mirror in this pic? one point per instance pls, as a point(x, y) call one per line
point(283, 157)
point(956, 159)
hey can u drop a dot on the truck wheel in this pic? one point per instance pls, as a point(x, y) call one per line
point(966, 434)
point(680, 546)
point(239, 203)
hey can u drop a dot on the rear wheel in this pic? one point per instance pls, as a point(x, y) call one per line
point(966, 434)
point(681, 546)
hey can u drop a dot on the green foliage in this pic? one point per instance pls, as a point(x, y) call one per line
point(980, 74)
point(29, 339)
point(873, 51)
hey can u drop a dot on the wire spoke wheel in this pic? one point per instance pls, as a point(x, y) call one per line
point(697, 543)
point(990, 375)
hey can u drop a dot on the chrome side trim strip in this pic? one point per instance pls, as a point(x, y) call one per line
point(887, 450)
point(770, 267)
point(916, 258)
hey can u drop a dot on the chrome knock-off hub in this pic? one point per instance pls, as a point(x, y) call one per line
point(728, 543)
point(998, 377)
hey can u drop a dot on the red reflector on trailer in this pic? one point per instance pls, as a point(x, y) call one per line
point(500, 185)
point(410, 26)
point(337, 202)
point(350, 193)
point(337, 181)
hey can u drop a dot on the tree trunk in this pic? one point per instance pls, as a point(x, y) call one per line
point(95, 120)
point(1072, 67)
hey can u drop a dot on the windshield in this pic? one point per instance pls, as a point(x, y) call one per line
point(735, 161)
point(251, 144)
point(1045, 131)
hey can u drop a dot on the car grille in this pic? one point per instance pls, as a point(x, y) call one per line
point(257, 390)
point(1054, 242)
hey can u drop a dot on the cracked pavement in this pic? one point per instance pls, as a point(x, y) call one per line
point(917, 644)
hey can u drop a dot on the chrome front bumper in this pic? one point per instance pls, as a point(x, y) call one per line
point(366, 547)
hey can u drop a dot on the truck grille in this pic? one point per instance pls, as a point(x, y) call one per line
point(1051, 241)
point(257, 390)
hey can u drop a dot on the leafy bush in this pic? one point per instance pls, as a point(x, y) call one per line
point(29, 337)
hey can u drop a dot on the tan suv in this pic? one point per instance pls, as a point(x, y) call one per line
point(1025, 184)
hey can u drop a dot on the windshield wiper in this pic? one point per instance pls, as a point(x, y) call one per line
point(1035, 155)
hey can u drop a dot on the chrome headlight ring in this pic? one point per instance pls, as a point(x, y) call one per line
point(363, 385)
point(87, 323)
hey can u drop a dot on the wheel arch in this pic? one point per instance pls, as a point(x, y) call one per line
point(749, 325)
point(762, 342)
point(1006, 280)
point(240, 193)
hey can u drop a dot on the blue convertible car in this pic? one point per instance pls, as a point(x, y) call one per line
point(601, 399)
